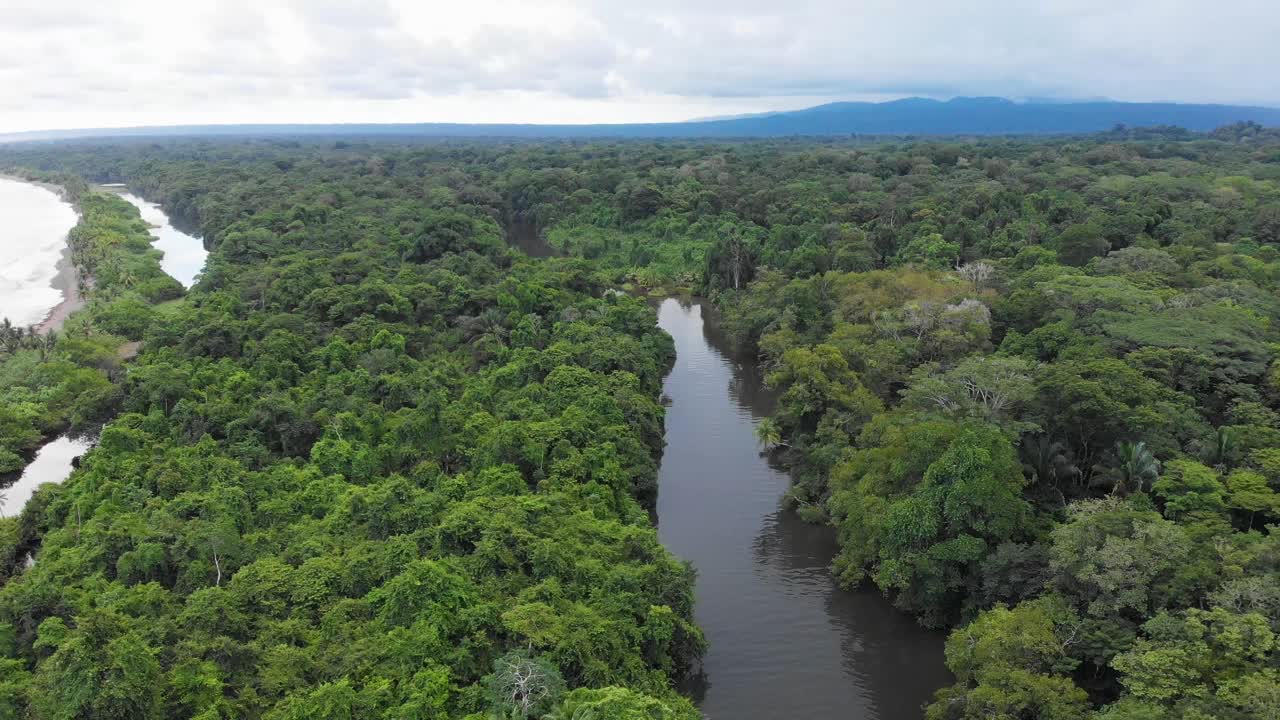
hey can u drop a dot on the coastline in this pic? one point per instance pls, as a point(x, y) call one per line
point(58, 190)
point(66, 279)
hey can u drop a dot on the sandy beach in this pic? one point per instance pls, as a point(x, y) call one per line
point(65, 280)
point(55, 189)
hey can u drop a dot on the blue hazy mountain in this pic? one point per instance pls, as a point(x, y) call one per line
point(909, 116)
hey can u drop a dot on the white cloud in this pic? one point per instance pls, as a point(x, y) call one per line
point(131, 62)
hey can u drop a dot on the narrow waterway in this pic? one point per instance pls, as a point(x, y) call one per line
point(526, 236)
point(785, 640)
point(53, 464)
point(34, 222)
point(38, 219)
point(184, 254)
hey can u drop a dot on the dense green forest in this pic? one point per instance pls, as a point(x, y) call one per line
point(378, 464)
point(375, 464)
point(70, 378)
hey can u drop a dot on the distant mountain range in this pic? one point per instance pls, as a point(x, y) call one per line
point(909, 116)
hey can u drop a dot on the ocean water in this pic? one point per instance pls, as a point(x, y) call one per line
point(33, 233)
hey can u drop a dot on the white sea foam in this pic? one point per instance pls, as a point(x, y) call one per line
point(34, 223)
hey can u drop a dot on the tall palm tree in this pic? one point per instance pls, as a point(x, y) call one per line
point(769, 435)
point(11, 337)
point(45, 344)
point(1224, 442)
point(1138, 467)
point(1047, 461)
point(485, 326)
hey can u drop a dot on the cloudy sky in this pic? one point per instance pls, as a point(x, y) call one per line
point(109, 63)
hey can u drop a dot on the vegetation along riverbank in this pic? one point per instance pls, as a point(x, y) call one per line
point(66, 372)
point(377, 463)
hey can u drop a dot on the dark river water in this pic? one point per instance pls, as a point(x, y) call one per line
point(785, 640)
point(525, 235)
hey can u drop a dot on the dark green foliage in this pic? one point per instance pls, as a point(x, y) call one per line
point(370, 455)
point(1032, 382)
point(1078, 244)
point(69, 378)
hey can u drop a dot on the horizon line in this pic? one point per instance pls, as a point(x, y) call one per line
point(7, 136)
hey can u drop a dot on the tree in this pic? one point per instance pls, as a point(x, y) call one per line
point(218, 540)
point(1266, 224)
point(327, 701)
point(1013, 663)
point(1078, 244)
point(487, 327)
point(616, 703)
point(813, 382)
point(523, 686)
point(767, 434)
point(99, 669)
point(976, 273)
point(1138, 260)
point(1138, 468)
point(46, 343)
point(1189, 489)
point(1096, 403)
point(450, 231)
point(926, 541)
point(12, 338)
point(1219, 453)
point(1248, 492)
point(930, 250)
point(934, 331)
point(15, 684)
point(1110, 558)
point(1048, 461)
point(993, 388)
point(1198, 658)
point(732, 259)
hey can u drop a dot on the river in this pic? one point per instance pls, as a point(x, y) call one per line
point(53, 464)
point(34, 215)
point(34, 223)
point(184, 255)
point(785, 640)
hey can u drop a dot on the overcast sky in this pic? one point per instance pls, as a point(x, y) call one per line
point(105, 63)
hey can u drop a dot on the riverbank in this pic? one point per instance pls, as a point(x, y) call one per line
point(74, 388)
point(183, 255)
point(52, 463)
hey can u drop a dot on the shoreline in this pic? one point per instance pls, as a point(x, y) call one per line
point(58, 190)
point(66, 278)
point(66, 281)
